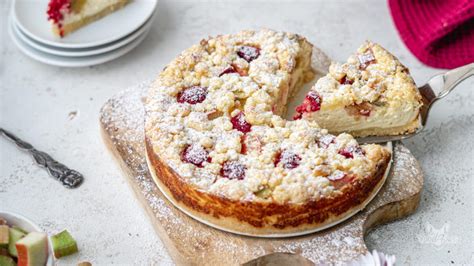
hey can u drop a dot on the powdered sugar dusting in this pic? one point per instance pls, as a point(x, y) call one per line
point(337, 175)
point(233, 170)
point(195, 154)
point(192, 95)
point(190, 241)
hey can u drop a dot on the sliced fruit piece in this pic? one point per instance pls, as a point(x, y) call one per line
point(6, 261)
point(233, 170)
point(20, 229)
point(4, 236)
point(32, 249)
point(14, 235)
point(63, 244)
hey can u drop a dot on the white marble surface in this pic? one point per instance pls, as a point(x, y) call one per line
point(110, 226)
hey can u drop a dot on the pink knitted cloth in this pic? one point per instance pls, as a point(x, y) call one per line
point(440, 33)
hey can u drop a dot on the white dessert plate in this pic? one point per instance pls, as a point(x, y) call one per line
point(27, 225)
point(31, 18)
point(80, 52)
point(64, 61)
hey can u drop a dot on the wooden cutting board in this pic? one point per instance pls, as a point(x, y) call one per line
point(190, 242)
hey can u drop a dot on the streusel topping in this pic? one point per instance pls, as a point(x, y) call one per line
point(213, 115)
point(370, 87)
point(370, 77)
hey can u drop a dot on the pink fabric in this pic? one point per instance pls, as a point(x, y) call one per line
point(440, 33)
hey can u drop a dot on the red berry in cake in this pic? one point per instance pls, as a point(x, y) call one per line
point(250, 143)
point(339, 179)
point(195, 154)
point(346, 81)
point(55, 11)
point(288, 159)
point(326, 140)
point(192, 95)
point(248, 53)
point(361, 109)
point(364, 112)
point(311, 103)
point(346, 153)
point(233, 170)
point(56, 8)
point(337, 175)
point(349, 152)
point(228, 70)
point(366, 59)
point(239, 123)
point(243, 148)
point(233, 69)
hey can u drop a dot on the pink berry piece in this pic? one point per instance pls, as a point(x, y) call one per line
point(228, 70)
point(239, 123)
point(346, 81)
point(195, 154)
point(349, 152)
point(288, 159)
point(192, 95)
point(337, 175)
point(248, 53)
point(250, 143)
point(233, 69)
point(311, 103)
point(364, 112)
point(366, 59)
point(326, 140)
point(233, 170)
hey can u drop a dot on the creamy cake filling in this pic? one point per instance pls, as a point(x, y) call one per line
point(371, 94)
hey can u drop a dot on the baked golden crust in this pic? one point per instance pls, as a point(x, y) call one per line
point(221, 151)
point(264, 218)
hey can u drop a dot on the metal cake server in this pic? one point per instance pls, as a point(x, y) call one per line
point(68, 177)
point(436, 88)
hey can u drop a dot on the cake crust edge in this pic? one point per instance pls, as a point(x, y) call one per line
point(264, 218)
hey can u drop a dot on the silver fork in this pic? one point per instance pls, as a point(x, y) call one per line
point(436, 88)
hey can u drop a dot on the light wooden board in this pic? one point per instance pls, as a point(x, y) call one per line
point(192, 243)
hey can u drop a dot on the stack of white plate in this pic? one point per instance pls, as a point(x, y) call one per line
point(96, 43)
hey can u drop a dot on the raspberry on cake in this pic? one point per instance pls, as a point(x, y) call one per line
point(372, 94)
point(216, 142)
point(67, 16)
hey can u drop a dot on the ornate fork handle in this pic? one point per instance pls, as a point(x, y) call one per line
point(68, 177)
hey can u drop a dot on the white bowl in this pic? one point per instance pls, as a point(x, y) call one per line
point(27, 225)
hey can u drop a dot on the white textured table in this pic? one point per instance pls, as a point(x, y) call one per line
point(38, 101)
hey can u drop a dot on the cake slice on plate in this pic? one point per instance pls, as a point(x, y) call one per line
point(372, 94)
point(67, 16)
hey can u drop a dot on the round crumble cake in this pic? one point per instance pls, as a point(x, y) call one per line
point(218, 147)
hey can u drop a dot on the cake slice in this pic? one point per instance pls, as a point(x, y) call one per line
point(372, 94)
point(67, 16)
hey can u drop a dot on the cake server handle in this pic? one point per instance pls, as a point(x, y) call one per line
point(441, 85)
point(68, 177)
